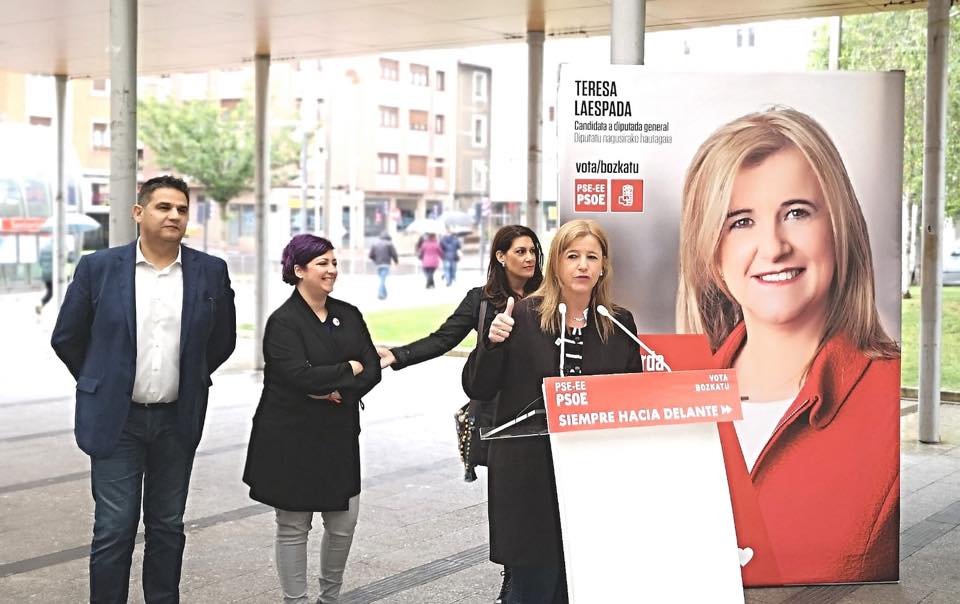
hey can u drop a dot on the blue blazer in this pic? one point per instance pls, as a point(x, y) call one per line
point(96, 338)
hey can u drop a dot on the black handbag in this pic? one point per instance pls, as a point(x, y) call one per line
point(469, 418)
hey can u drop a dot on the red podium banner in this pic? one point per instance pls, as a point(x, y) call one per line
point(641, 399)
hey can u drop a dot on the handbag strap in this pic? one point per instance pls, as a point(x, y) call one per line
point(480, 318)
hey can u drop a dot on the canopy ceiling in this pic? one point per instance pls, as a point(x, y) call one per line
point(72, 36)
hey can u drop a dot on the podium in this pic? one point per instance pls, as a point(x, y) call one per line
point(642, 490)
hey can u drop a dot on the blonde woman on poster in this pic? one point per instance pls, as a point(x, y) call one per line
point(776, 269)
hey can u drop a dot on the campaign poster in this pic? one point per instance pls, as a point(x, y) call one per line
point(763, 210)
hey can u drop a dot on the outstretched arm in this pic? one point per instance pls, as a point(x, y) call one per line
point(453, 330)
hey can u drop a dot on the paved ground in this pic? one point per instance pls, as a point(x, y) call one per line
point(422, 533)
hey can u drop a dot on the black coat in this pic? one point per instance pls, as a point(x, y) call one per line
point(448, 335)
point(524, 518)
point(304, 453)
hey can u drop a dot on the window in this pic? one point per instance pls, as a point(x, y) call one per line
point(438, 125)
point(100, 194)
point(419, 120)
point(99, 87)
point(229, 105)
point(389, 117)
point(438, 168)
point(389, 70)
point(478, 180)
point(417, 165)
point(479, 86)
point(552, 113)
point(419, 75)
point(387, 163)
point(36, 120)
point(479, 131)
point(100, 137)
point(749, 37)
point(441, 81)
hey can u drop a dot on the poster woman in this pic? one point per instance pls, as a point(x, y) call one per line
point(776, 269)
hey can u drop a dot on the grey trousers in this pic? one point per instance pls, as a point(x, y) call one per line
point(291, 550)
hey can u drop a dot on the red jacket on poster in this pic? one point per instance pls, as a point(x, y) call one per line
point(822, 504)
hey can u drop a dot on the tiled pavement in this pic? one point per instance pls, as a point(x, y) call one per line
point(422, 532)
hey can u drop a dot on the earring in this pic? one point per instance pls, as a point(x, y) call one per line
point(601, 273)
point(503, 263)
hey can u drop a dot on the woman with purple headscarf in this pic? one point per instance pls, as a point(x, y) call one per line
point(304, 454)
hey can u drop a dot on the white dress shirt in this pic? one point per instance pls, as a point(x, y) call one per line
point(159, 294)
point(759, 422)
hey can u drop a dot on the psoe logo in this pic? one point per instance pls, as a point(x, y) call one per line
point(590, 195)
point(627, 195)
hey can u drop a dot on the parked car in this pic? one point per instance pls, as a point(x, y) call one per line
point(951, 267)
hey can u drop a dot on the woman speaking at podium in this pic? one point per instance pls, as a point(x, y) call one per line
point(776, 269)
point(520, 349)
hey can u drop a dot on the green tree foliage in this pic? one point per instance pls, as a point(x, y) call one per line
point(897, 40)
point(211, 145)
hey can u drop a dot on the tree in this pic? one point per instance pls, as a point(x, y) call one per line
point(211, 145)
point(897, 40)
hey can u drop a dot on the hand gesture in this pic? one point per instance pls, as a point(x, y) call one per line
point(386, 357)
point(502, 324)
point(356, 366)
point(334, 397)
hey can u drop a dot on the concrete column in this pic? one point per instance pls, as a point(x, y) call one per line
point(261, 200)
point(123, 120)
point(534, 127)
point(332, 212)
point(59, 243)
point(931, 276)
point(304, 184)
point(836, 37)
point(628, 19)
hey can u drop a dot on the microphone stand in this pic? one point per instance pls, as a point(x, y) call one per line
point(563, 333)
point(606, 313)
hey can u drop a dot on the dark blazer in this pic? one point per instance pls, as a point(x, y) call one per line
point(448, 335)
point(524, 519)
point(96, 338)
point(304, 453)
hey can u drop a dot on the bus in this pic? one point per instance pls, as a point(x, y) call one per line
point(28, 183)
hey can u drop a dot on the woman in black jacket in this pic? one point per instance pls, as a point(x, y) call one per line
point(304, 454)
point(515, 270)
point(518, 351)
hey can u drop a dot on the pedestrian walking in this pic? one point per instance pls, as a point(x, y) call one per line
point(141, 328)
point(382, 253)
point(45, 259)
point(450, 246)
point(430, 254)
point(304, 453)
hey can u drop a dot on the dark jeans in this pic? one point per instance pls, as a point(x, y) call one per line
point(149, 460)
point(429, 273)
point(383, 271)
point(537, 585)
point(48, 283)
point(449, 271)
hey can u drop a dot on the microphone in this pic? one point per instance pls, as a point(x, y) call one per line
point(563, 332)
point(606, 313)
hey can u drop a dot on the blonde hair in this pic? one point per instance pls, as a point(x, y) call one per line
point(704, 304)
point(549, 291)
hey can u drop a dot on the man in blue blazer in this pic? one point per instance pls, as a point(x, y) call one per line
point(141, 328)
